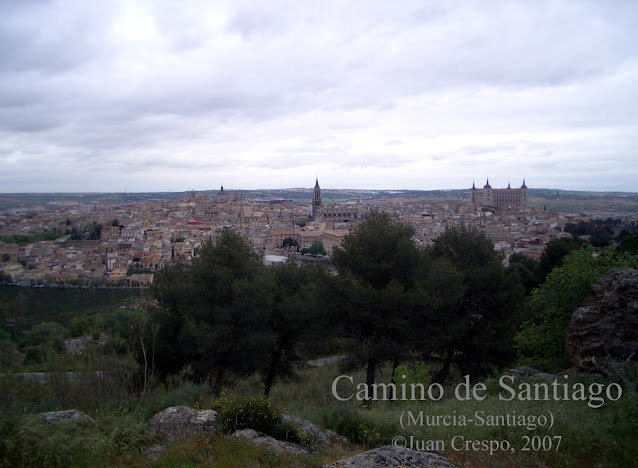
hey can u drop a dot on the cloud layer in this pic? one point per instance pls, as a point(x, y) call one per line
point(165, 95)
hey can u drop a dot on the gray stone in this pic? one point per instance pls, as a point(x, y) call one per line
point(392, 457)
point(308, 429)
point(264, 440)
point(67, 415)
point(544, 376)
point(603, 332)
point(523, 371)
point(338, 439)
point(182, 421)
point(154, 451)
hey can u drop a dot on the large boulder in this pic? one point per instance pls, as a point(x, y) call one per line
point(603, 332)
point(66, 415)
point(264, 440)
point(393, 457)
point(182, 421)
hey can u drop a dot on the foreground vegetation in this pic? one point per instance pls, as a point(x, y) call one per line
point(604, 436)
point(227, 332)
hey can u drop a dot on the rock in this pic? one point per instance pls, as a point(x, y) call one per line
point(338, 439)
point(388, 457)
point(603, 331)
point(67, 415)
point(308, 429)
point(182, 421)
point(263, 440)
point(522, 371)
point(544, 376)
point(154, 451)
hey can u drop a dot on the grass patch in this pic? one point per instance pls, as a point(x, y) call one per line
point(605, 436)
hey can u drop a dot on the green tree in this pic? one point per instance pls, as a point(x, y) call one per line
point(80, 325)
point(50, 334)
point(527, 269)
point(628, 242)
point(541, 339)
point(289, 242)
point(555, 252)
point(95, 231)
point(377, 264)
point(315, 249)
point(599, 231)
point(476, 330)
point(212, 312)
point(297, 315)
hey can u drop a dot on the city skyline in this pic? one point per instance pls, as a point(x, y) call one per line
point(144, 96)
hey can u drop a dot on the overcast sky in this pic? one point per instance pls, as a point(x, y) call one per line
point(165, 95)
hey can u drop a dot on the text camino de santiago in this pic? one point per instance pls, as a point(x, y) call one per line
point(594, 394)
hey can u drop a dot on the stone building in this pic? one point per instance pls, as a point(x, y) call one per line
point(337, 213)
point(501, 199)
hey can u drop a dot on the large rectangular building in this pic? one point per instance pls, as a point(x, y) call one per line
point(501, 199)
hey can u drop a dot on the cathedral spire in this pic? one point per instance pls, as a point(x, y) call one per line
point(317, 202)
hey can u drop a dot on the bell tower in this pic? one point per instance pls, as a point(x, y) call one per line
point(317, 204)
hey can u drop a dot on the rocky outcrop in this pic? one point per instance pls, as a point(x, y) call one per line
point(603, 332)
point(67, 415)
point(182, 421)
point(264, 440)
point(308, 429)
point(389, 457)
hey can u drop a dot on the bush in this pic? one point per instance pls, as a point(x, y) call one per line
point(256, 413)
point(418, 373)
point(51, 334)
point(34, 355)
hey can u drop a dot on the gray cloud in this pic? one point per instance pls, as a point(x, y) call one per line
point(454, 90)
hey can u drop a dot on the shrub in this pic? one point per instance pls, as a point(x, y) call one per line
point(256, 413)
point(418, 373)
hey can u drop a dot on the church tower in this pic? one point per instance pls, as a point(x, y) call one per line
point(317, 204)
point(523, 195)
point(488, 195)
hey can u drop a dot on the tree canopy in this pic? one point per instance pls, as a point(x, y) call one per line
point(377, 263)
point(475, 328)
point(212, 312)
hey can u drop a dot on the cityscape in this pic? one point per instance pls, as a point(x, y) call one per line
point(100, 244)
